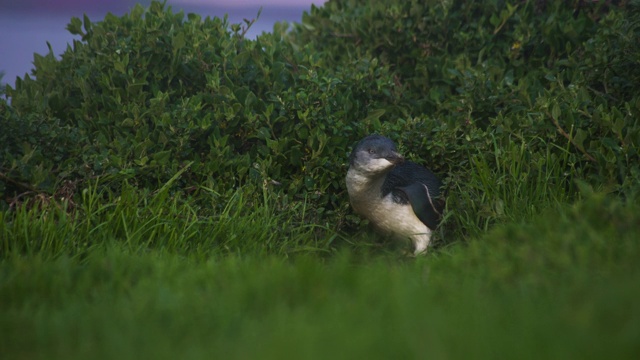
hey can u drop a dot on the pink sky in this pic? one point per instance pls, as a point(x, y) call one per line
point(234, 3)
point(47, 6)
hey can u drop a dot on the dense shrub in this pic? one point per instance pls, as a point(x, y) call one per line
point(501, 93)
point(510, 101)
point(140, 95)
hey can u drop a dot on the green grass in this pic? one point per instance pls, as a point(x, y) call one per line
point(145, 276)
point(140, 220)
point(511, 183)
point(163, 306)
point(153, 274)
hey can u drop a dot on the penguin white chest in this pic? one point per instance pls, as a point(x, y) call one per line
point(384, 213)
point(395, 218)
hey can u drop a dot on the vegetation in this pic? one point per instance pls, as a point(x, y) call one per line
point(170, 188)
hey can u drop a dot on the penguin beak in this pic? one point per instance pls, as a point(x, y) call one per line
point(395, 158)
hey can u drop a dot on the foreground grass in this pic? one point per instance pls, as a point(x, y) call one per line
point(564, 285)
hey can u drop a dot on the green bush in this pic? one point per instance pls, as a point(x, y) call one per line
point(142, 94)
point(510, 102)
point(500, 94)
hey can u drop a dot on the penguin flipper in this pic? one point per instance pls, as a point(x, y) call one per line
point(425, 203)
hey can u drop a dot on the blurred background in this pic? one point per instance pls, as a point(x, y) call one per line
point(27, 25)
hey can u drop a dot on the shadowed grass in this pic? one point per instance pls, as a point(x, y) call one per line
point(138, 221)
point(563, 285)
point(153, 275)
point(512, 183)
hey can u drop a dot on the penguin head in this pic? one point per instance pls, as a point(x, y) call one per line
point(374, 155)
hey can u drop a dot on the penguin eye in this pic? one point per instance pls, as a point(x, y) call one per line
point(371, 151)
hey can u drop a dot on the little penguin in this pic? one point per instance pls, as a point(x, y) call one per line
point(398, 197)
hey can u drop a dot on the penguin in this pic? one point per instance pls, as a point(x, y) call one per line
point(398, 197)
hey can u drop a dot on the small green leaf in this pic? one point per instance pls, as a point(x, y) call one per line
point(75, 26)
point(162, 157)
point(579, 138)
point(87, 23)
point(142, 161)
point(611, 144)
point(178, 41)
point(373, 118)
point(119, 66)
point(555, 111)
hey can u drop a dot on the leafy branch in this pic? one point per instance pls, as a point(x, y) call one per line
point(568, 137)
